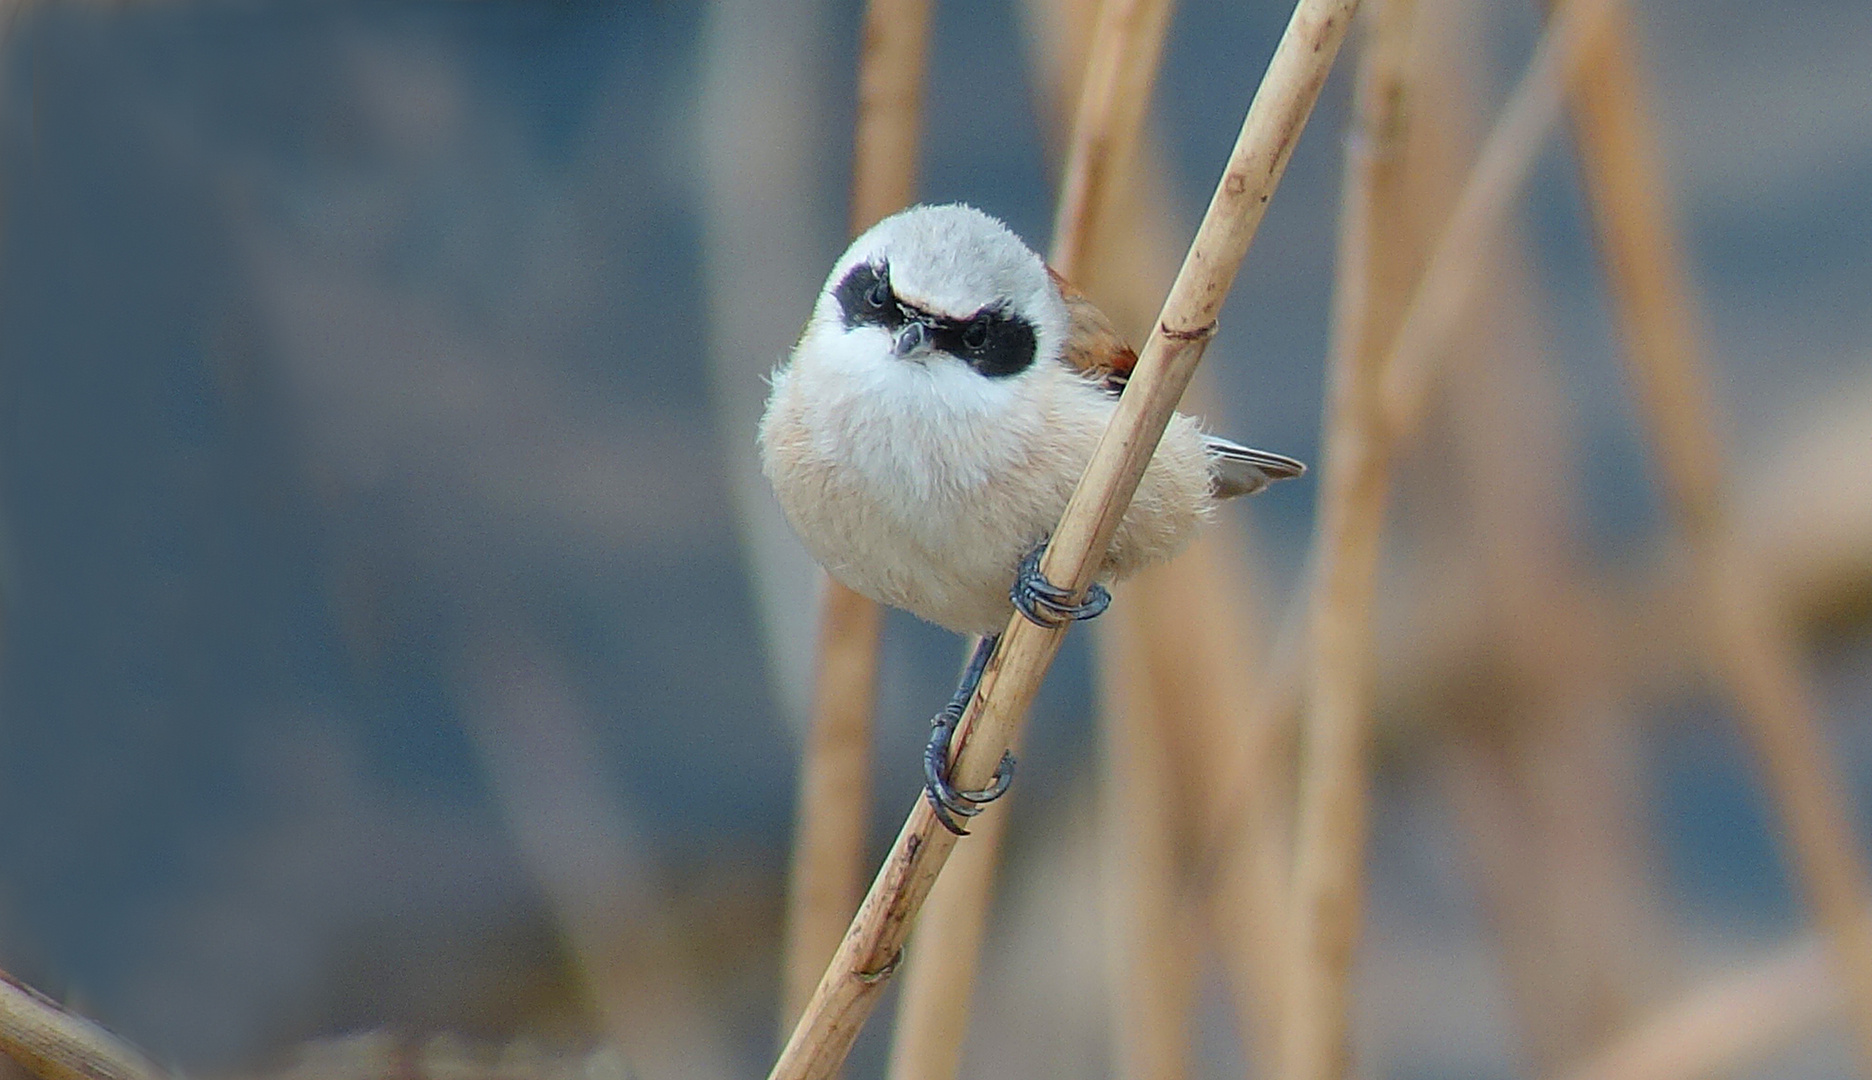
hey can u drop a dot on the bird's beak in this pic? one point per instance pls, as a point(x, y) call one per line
point(911, 338)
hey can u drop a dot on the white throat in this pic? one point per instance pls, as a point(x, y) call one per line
point(922, 429)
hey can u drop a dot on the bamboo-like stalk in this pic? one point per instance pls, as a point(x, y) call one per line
point(1752, 650)
point(1508, 155)
point(833, 814)
point(1275, 118)
point(1151, 960)
point(1543, 774)
point(1375, 269)
point(58, 1045)
point(832, 818)
point(891, 60)
point(939, 974)
point(1413, 353)
point(1121, 67)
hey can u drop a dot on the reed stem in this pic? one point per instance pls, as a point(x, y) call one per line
point(1375, 271)
point(58, 1045)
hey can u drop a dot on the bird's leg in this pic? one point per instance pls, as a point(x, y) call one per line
point(1045, 603)
point(945, 800)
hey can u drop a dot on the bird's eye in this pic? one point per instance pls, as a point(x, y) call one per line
point(975, 334)
point(880, 293)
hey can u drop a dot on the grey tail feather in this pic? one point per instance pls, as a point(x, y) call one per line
point(1243, 470)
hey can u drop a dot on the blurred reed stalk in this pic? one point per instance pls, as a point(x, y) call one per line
point(537, 744)
point(1152, 961)
point(1436, 304)
point(939, 973)
point(1176, 656)
point(1541, 766)
point(1724, 1025)
point(762, 147)
point(57, 1045)
point(1376, 266)
point(832, 818)
point(1449, 280)
point(1752, 650)
point(1275, 118)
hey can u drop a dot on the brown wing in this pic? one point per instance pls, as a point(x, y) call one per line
point(1093, 344)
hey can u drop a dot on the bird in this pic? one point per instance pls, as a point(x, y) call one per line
point(931, 422)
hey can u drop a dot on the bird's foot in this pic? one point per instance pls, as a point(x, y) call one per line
point(948, 801)
point(945, 799)
point(1046, 604)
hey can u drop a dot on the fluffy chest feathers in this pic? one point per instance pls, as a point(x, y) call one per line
point(921, 438)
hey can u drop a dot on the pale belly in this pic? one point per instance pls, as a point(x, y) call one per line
point(940, 533)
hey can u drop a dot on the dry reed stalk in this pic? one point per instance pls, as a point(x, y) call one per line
point(1449, 278)
point(1753, 651)
point(1275, 118)
point(832, 818)
point(58, 1045)
point(1442, 292)
point(1151, 960)
point(1121, 67)
point(891, 61)
point(1376, 265)
point(1542, 772)
point(939, 974)
point(1190, 622)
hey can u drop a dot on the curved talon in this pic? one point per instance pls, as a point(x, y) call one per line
point(1046, 604)
point(998, 784)
point(947, 802)
point(945, 799)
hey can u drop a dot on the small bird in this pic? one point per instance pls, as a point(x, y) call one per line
point(931, 424)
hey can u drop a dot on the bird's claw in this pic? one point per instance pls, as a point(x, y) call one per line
point(1046, 604)
point(948, 801)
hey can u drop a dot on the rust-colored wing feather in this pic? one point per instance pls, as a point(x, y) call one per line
point(1093, 344)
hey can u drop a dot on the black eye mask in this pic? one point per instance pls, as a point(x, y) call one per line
point(992, 341)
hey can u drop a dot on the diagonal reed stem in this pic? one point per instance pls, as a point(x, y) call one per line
point(1275, 119)
point(1377, 264)
point(833, 814)
point(58, 1045)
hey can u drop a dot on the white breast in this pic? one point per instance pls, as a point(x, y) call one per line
point(921, 485)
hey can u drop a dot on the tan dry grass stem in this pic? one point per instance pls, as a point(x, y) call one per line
point(1437, 303)
point(833, 817)
point(1376, 266)
point(1449, 279)
point(1275, 119)
point(934, 1003)
point(1753, 651)
point(832, 820)
point(1723, 1025)
point(57, 1045)
point(891, 60)
point(1121, 67)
